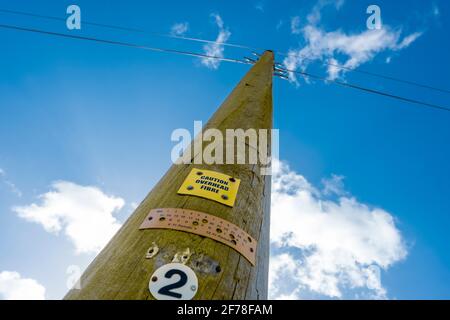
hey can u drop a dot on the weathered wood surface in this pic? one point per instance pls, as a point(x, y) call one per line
point(121, 270)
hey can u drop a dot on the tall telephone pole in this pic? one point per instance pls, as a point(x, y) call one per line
point(124, 268)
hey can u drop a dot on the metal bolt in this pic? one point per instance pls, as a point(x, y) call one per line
point(199, 173)
point(193, 288)
point(224, 197)
point(190, 187)
point(154, 279)
point(232, 179)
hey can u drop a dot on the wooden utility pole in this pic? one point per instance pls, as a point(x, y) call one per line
point(124, 267)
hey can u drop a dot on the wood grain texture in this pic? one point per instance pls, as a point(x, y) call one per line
point(121, 270)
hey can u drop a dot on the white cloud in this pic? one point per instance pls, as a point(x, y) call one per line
point(84, 213)
point(179, 29)
point(14, 287)
point(216, 49)
point(327, 247)
point(357, 48)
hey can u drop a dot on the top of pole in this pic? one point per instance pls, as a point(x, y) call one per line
point(239, 109)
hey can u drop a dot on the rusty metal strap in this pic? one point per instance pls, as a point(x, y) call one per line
point(203, 224)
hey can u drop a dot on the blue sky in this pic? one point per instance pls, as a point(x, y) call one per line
point(98, 119)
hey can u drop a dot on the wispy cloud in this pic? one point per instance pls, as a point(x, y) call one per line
point(279, 24)
point(216, 49)
point(84, 213)
point(11, 186)
point(14, 287)
point(179, 29)
point(435, 9)
point(260, 6)
point(325, 46)
point(326, 247)
point(407, 41)
point(315, 15)
point(295, 25)
point(333, 185)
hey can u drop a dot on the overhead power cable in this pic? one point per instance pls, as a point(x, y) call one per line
point(128, 29)
point(369, 90)
point(369, 73)
point(193, 54)
point(120, 43)
point(136, 30)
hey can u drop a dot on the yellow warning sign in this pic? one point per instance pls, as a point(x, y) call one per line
point(211, 185)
